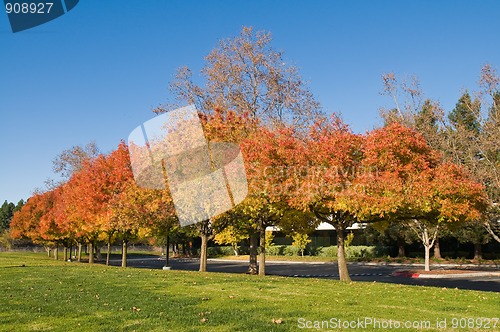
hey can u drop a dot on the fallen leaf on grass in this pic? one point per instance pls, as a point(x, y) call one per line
point(277, 321)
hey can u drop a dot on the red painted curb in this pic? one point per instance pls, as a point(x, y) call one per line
point(407, 274)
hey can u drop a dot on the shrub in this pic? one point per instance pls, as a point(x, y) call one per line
point(275, 250)
point(366, 251)
point(225, 251)
point(5, 240)
point(360, 252)
point(291, 251)
point(354, 251)
point(312, 250)
point(213, 252)
point(243, 250)
point(330, 251)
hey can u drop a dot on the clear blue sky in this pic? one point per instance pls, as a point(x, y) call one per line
point(96, 72)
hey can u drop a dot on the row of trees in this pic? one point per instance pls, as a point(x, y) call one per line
point(302, 167)
point(295, 181)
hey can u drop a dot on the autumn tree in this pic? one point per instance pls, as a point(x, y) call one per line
point(411, 184)
point(89, 192)
point(52, 225)
point(311, 174)
point(26, 221)
point(71, 160)
point(119, 190)
point(247, 75)
point(267, 153)
point(136, 210)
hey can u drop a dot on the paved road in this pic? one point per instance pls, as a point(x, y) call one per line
point(358, 271)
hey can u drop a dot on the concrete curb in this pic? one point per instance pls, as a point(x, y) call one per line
point(409, 274)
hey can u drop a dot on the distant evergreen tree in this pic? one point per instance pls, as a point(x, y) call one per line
point(427, 121)
point(19, 205)
point(466, 114)
point(6, 213)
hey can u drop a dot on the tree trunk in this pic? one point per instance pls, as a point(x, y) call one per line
point(427, 257)
point(254, 243)
point(401, 252)
point(108, 253)
point(167, 252)
point(56, 253)
point(203, 252)
point(428, 243)
point(79, 259)
point(341, 261)
point(205, 233)
point(91, 253)
point(48, 251)
point(437, 249)
point(65, 250)
point(124, 253)
point(401, 248)
point(491, 232)
point(478, 252)
point(98, 252)
point(262, 249)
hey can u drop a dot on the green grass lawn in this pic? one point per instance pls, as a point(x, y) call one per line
point(40, 294)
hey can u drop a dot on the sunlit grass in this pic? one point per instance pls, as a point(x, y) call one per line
point(39, 293)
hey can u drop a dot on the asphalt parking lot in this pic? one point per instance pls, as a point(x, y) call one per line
point(358, 272)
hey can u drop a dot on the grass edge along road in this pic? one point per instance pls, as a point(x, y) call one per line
point(39, 293)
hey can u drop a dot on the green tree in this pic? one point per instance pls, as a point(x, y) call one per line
point(391, 233)
point(466, 114)
point(19, 205)
point(473, 232)
point(301, 241)
point(6, 212)
point(230, 236)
